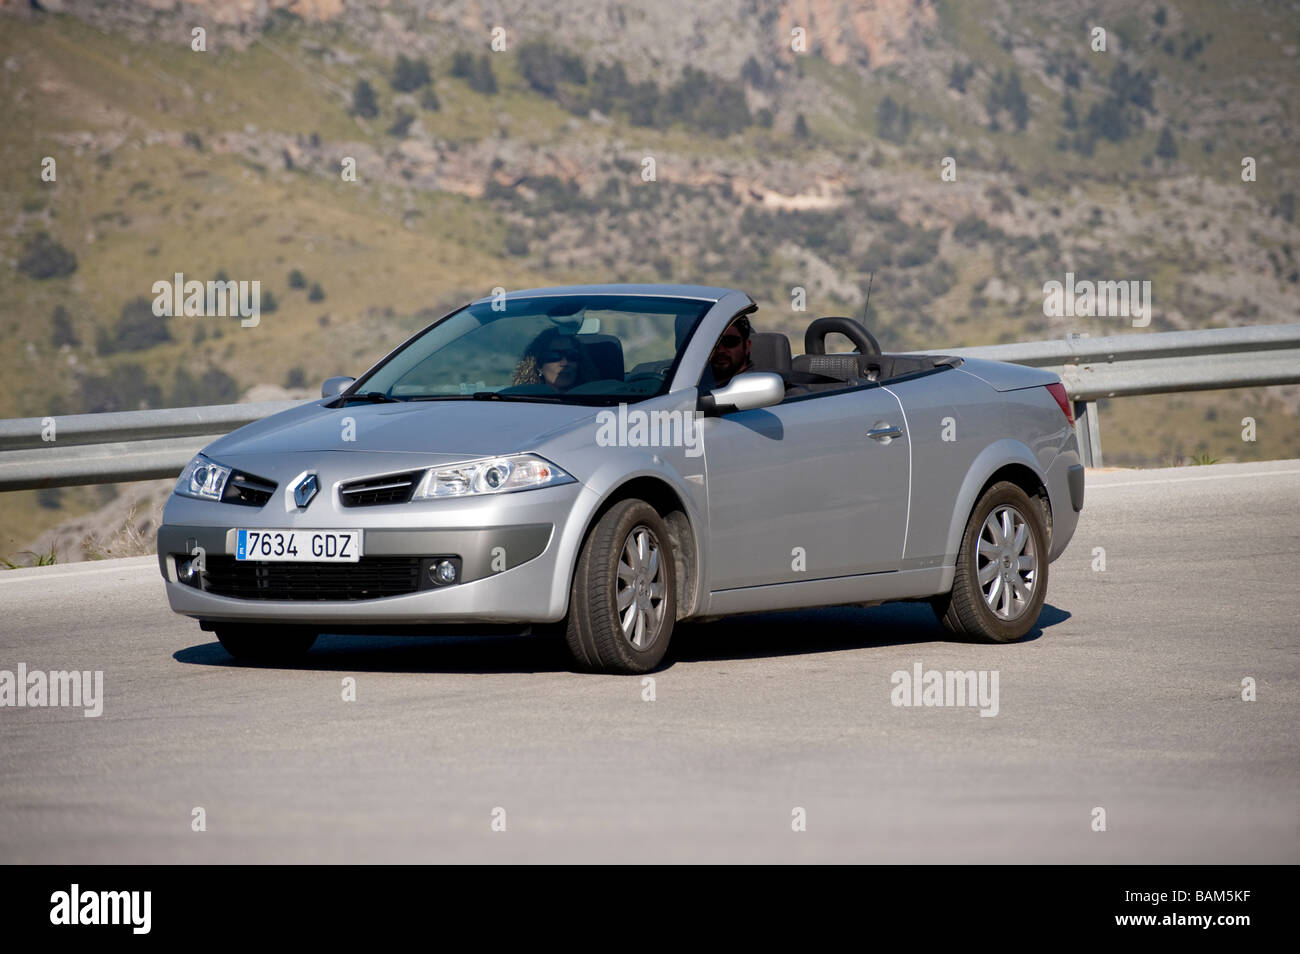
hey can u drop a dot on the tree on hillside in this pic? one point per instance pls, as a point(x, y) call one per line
point(462, 64)
point(481, 78)
point(363, 100)
point(1007, 94)
point(44, 257)
point(545, 67)
point(959, 75)
point(643, 103)
point(402, 123)
point(62, 332)
point(892, 122)
point(609, 86)
point(1165, 148)
point(137, 329)
point(409, 74)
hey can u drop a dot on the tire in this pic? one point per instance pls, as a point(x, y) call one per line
point(617, 566)
point(982, 606)
point(265, 644)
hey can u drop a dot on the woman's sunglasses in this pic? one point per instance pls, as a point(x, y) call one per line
point(550, 357)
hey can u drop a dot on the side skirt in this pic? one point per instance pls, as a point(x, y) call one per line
point(803, 594)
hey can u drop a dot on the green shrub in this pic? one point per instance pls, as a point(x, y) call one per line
point(402, 123)
point(43, 257)
point(363, 100)
point(544, 67)
point(409, 74)
point(213, 386)
point(61, 332)
point(126, 389)
point(137, 329)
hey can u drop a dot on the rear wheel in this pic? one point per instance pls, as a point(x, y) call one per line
point(623, 604)
point(265, 644)
point(1001, 577)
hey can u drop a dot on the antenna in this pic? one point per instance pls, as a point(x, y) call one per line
point(868, 304)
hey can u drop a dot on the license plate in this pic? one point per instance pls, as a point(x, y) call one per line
point(300, 546)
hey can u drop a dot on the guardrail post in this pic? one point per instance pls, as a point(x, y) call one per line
point(1088, 427)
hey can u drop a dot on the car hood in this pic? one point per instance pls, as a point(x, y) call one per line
point(436, 431)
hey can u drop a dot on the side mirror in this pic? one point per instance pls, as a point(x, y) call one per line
point(335, 386)
point(745, 392)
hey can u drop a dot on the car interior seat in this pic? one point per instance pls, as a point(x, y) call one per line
point(769, 351)
point(604, 355)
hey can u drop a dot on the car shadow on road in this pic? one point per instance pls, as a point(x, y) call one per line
point(832, 629)
point(753, 636)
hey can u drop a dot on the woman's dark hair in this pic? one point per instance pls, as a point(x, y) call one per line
point(529, 368)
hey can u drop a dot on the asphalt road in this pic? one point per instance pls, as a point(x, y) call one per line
point(1129, 699)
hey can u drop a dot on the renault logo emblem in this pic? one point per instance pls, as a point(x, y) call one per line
point(305, 490)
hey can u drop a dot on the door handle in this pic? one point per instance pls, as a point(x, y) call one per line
point(883, 432)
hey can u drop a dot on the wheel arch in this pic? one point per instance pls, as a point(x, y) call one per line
point(1007, 460)
point(671, 507)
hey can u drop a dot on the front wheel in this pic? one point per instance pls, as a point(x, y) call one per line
point(623, 604)
point(265, 644)
point(1001, 577)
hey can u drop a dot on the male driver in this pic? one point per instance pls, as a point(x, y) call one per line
point(731, 355)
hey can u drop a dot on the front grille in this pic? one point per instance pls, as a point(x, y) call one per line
point(373, 491)
point(247, 490)
point(370, 578)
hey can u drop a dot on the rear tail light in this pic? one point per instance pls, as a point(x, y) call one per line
point(1058, 391)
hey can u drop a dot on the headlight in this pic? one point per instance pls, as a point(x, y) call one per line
point(203, 478)
point(495, 475)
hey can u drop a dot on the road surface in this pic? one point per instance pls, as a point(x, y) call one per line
point(1127, 699)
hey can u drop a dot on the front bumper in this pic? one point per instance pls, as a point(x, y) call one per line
point(516, 552)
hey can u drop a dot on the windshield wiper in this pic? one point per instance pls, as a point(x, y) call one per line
point(497, 396)
point(374, 397)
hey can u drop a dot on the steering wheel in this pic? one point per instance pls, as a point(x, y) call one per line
point(814, 339)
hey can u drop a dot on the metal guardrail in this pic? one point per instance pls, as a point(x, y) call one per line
point(142, 445)
point(1162, 363)
point(120, 446)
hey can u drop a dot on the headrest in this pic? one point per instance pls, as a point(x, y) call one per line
point(604, 354)
point(769, 351)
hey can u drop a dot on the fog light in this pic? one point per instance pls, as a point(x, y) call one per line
point(186, 570)
point(443, 572)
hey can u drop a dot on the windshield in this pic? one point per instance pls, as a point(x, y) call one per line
point(581, 349)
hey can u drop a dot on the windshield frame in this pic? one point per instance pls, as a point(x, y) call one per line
point(706, 307)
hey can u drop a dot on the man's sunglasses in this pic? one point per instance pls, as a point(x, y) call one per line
point(730, 341)
point(549, 357)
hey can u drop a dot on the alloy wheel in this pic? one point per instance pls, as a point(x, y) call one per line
point(1006, 562)
point(639, 592)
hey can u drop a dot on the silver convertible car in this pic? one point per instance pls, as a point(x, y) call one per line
point(601, 462)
